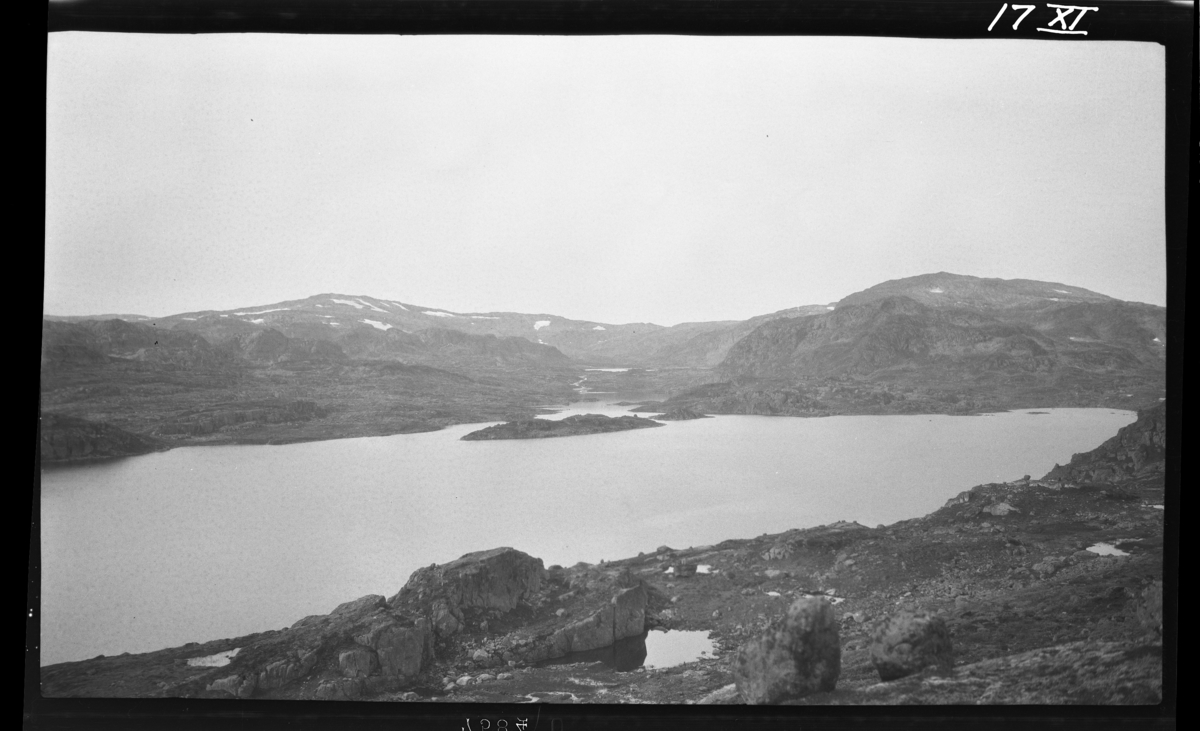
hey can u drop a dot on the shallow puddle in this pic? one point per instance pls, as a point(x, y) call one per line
point(667, 649)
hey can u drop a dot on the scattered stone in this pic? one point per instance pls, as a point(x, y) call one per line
point(560, 612)
point(1000, 509)
point(909, 642)
point(800, 653)
point(504, 676)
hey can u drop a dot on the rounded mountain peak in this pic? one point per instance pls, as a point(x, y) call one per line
point(944, 289)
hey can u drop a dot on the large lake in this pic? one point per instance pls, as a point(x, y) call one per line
point(203, 543)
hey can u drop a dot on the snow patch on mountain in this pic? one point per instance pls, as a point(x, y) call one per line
point(263, 312)
point(373, 307)
point(438, 314)
point(378, 325)
point(541, 324)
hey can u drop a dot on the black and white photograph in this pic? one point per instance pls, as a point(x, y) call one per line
point(661, 369)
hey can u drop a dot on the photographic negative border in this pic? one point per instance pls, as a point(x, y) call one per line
point(1171, 24)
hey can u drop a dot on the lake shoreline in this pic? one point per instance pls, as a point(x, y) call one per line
point(994, 562)
point(642, 407)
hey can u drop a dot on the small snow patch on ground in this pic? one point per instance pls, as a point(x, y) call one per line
point(1053, 299)
point(438, 314)
point(937, 290)
point(1157, 507)
point(218, 660)
point(192, 318)
point(829, 307)
point(599, 327)
point(484, 317)
point(335, 324)
point(773, 593)
point(541, 324)
point(1106, 549)
point(399, 305)
point(1157, 340)
point(543, 342)
point(355, 305)
point(224, 315)
point(1062, 291)
point(377, 324)
point(258, 321)
point(704, 569)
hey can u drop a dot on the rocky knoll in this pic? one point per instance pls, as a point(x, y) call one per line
point(371, 645)
point(568, 427)
point(1136, 447)
point(69, 439)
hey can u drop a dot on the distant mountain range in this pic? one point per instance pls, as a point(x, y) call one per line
point(935, 342)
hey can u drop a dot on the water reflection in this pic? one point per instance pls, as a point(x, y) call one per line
point(623, 655)
point(652, 649)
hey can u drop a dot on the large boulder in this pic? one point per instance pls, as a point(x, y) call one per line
point(497, 579)
point(799, 653)
point(908, 642)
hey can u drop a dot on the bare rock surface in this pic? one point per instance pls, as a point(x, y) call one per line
point(909, 642)
point(800, 653)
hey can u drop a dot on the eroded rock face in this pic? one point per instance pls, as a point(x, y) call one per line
point(909, 642)
point(799, 653)
point(357, 663)
point(629, 612)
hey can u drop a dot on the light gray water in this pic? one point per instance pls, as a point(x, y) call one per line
point(203, 543)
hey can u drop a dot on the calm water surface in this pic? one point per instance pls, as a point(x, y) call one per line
point(202, 543)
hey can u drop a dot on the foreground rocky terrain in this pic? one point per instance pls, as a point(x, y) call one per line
point(1040, 592)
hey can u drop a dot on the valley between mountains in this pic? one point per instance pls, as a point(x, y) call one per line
point(1049, 590)
point(337, 366)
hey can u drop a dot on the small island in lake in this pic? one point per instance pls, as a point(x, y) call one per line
point(568, 427)
point(681, 414)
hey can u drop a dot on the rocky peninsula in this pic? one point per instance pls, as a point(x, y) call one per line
point(568, 427)
point(1025, 592)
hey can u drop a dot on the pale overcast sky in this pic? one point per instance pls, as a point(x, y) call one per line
point(617, 179)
